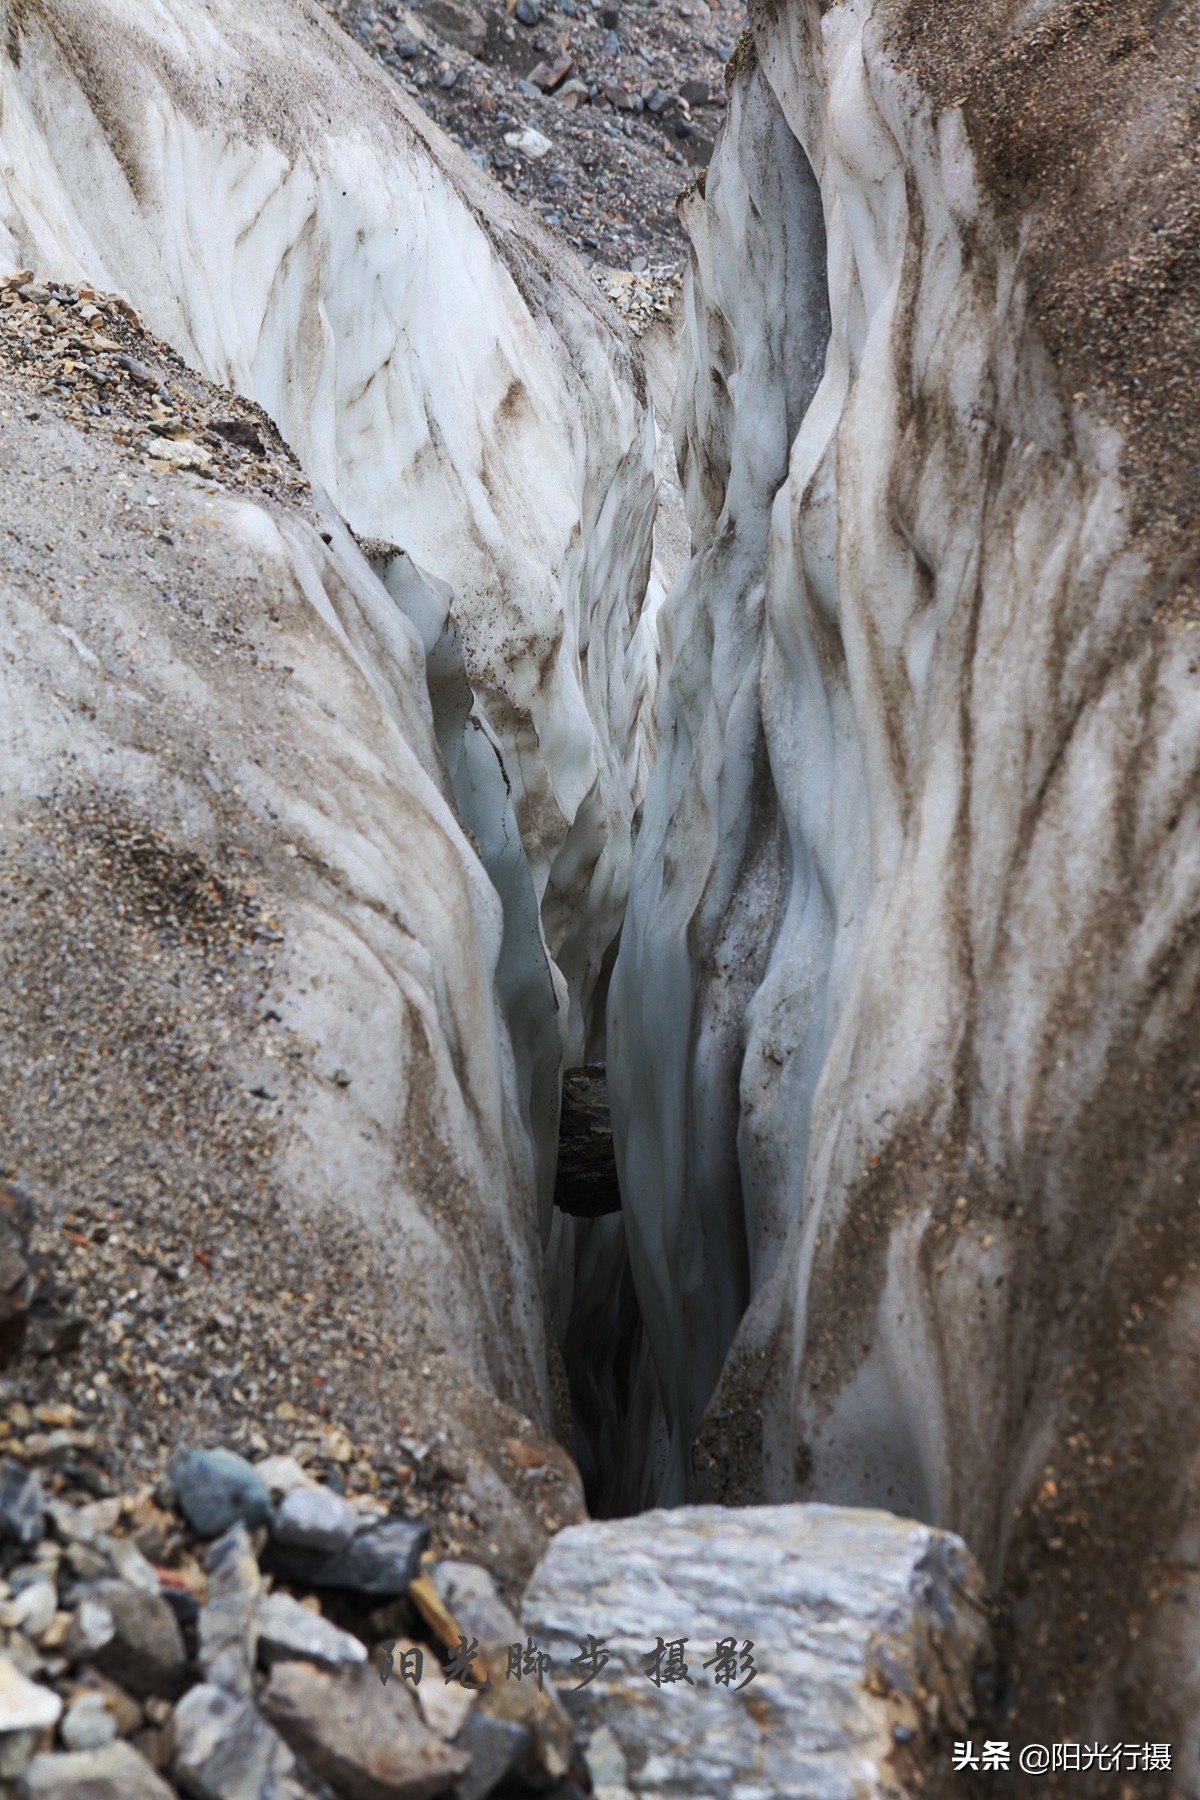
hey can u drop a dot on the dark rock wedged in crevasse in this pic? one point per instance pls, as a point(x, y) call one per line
point(585, 1185)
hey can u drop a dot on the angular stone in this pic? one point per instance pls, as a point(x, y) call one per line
point(129, 1714)
point(224, 1750)
point(547, 76)
point(445, 1706)
point(289, 1632)
point(228, 1627)
point(116, 1772)
point(863, 1626)
point(24, 1706)
point(381, 1561)
point(282, 1475)
point(145, 1652)
point(129, 1563)
point(215, 1488)
point(456, 22)
point(528, 142)
point(473, 1600)
point(22, 1507)
point(495, 1747)
point(364, 1738)
point(55, 1329)
point(314, 1519)
point(32, 1610)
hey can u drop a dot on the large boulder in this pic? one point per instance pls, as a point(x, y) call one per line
point(772, 1650)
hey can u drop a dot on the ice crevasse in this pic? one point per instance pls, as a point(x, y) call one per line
point(902, 1032)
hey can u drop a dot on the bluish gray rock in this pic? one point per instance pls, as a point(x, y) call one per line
point(380, 1562)
point(289, 1632)
point(215, 1489)
point(228, 1631)
point(224, 1750)
point(495, 1747)
point(475, 1603)
point(22, 1506)
point(314, 1519)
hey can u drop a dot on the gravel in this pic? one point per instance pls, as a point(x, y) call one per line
point(653, 97)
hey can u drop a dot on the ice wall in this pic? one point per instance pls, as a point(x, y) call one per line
point(283, 215)
point(906, 1000)
point(292, 224)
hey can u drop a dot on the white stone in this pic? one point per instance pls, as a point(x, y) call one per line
point(289, 1632)
point(282, 1475)
point(115, 1772)
point(89, 1724)
point(853, 1617)
point(32, 1609)
point(314, 1519)
point(529, 142)
point(24, 1706)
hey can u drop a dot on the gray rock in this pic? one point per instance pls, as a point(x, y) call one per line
point(495, 1747)
point(22, 1507)
point(380, 1562)
point(129, 1563)
point(89, 1724)
point(457, 23)
point(473, 1600)
point(115, 1772)
point(224, 1750)
point(289, 1632)
point(856, 1621)
point(145, 1652)
point(314, 1519)
point(87, 1562)
point(17, 1751)
point(528, 12)
point(365, 1739)
point(228, 1626)
point(215, 1489)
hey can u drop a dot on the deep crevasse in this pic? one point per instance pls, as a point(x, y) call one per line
point(905, 994)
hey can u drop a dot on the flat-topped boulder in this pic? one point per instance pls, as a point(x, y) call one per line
point(760, 1651)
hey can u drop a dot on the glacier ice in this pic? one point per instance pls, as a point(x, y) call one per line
point(902, 1028)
